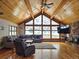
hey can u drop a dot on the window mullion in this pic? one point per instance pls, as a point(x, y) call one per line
point(50, 28)
point(33, 26)
point(42, 23)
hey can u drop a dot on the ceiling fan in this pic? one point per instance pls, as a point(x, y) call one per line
point(46, 4)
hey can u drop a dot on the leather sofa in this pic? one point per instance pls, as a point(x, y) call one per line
point(8, 41)
point(35, 38)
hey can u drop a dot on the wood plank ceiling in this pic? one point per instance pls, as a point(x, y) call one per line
point(18, 11)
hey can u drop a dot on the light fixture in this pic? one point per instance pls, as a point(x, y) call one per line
point(47, 5)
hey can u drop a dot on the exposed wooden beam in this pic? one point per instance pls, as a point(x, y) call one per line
point(54, 18)
point(59, 21)
point(30, 18)
point(27, 2)
point(61, 4)
point(46, 14)
point(39, 13)
point(42, 7)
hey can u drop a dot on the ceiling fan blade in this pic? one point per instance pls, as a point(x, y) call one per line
point(48, 6)
point(50, 3)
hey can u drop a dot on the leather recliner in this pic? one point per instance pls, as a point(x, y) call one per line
point(22, 49)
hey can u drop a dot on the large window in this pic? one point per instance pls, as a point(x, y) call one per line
point(29, 30)
point(42, 25)
point(12, 30)
point(37, 30)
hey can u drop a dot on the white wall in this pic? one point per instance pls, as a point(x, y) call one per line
point(5, 24)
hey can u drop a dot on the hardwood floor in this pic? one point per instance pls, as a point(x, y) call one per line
point(62, 51)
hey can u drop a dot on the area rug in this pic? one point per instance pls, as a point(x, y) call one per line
point(44, 46)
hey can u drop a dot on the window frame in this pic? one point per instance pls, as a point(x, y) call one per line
point(11, 31)
point(43, 25)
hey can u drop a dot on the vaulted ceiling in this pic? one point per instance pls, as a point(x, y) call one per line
point(18, 11)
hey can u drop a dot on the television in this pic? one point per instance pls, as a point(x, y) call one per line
point(64, 29)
